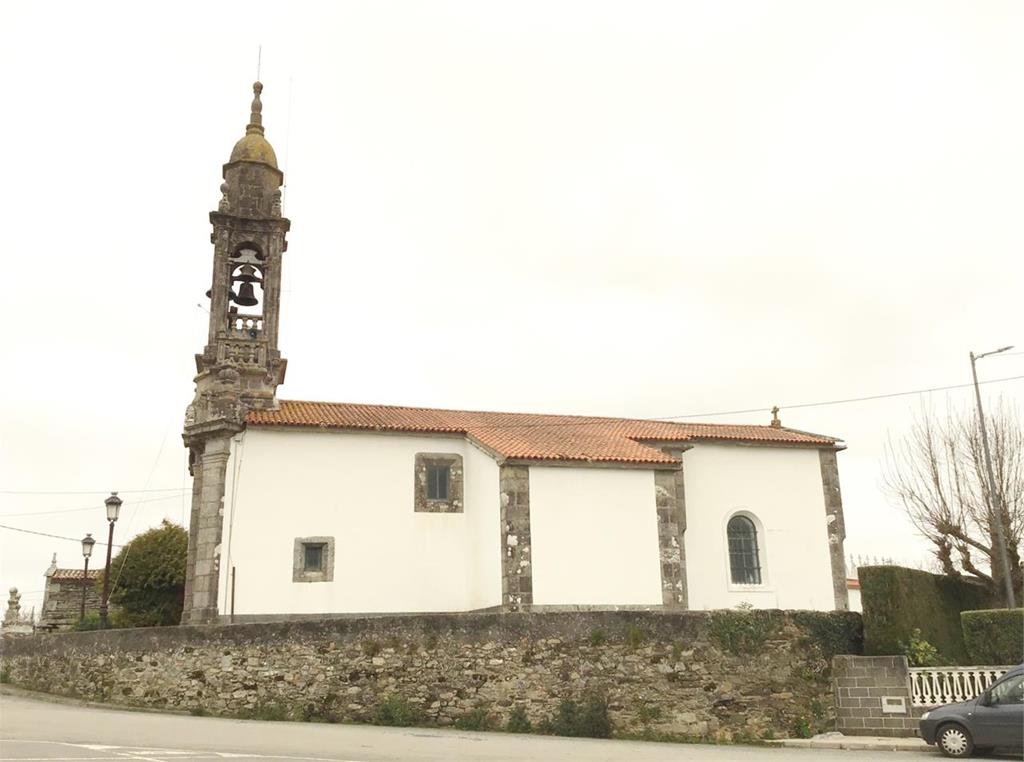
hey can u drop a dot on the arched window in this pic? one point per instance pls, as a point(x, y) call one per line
point(744, 558)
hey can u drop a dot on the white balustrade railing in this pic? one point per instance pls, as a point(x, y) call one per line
point(932, 686)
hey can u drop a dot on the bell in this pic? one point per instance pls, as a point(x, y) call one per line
point(245, 296)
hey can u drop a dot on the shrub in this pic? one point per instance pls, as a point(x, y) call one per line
point(476, 719)
point(833, 632)
point(5, 675)
point(742, 632)
point(898, 600)
point(919, 652)
point(91, 621)
point(598, 637)
point(395, 711)
point(518, 722)
point(148, 577)
point(589, 720)
point(994, 637)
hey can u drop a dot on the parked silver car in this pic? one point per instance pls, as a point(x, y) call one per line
point(994, 720)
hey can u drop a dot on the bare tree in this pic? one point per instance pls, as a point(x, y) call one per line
point(936, 473)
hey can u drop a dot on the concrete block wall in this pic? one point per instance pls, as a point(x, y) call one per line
point(861, 683)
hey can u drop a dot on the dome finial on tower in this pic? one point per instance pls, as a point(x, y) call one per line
point(256, 117)
point(253, 146)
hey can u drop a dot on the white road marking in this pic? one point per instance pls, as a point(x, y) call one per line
point(145, 754)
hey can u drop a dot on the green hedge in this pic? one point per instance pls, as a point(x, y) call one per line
point(897, 601)
point(995, 636)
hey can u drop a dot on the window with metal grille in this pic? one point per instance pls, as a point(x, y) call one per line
point(437, 482)
point(313, 557)
point(744, 559)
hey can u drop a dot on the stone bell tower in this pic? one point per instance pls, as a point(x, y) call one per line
point(240, 367)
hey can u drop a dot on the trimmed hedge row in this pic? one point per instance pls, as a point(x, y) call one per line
point(995, 636)
point(897, 601)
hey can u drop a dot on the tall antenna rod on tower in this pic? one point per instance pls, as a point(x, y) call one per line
point(287, 153)
point(259, 62)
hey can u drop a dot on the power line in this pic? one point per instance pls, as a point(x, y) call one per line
point(844, 401)
point(135, 512)
point(87, 491)
point(55, 536)
point(584, 420)
point(98, 507)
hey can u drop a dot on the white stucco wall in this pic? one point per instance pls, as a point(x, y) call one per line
point(781, 487)
point(357, 488)
point(594, 534)
point(855, 604)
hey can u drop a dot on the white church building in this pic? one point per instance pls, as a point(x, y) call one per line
point(318, 508)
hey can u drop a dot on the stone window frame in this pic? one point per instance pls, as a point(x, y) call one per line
point(300, 573)
point(760, 534)
point(454, 503)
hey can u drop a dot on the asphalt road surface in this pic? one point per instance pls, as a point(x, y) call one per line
point(40, 731)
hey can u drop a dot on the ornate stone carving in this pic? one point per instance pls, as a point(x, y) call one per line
point(13, 613)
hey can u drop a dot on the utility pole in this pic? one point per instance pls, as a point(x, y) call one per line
point(995, 503)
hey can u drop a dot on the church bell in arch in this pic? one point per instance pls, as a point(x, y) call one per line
point(246, 296)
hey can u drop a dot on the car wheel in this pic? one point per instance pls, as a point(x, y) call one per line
point(955, 740)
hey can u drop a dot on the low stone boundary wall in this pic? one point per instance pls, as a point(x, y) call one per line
point(869, 691)
point(718, 675)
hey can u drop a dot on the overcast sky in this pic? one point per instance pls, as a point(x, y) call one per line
point(633, 209)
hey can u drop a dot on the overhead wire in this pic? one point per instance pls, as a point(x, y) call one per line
point(843, 401)
point(55, 536)
point(87, 491)
point(97, 507)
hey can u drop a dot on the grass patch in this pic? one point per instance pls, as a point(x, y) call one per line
point(370, 648)
point(635, 637)
point(476, 719)
point(648, 713)
point(801, 728)
point(742, 632)
point(586, 719)
point(518, 722)
point(395, 711)
point(271, 712)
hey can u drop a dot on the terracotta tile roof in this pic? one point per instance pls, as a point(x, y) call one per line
point(532, 437)
point(66, 574)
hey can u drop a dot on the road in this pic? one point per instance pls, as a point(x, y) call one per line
point(40, 731)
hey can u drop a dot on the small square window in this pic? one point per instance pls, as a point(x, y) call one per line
point(438, 478)
point(313, 557)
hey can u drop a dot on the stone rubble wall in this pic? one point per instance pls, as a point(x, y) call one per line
point(665, 674)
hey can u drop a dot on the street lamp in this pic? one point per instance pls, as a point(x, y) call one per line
point(87, 543)
point(113, 504)
point(995, 501)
